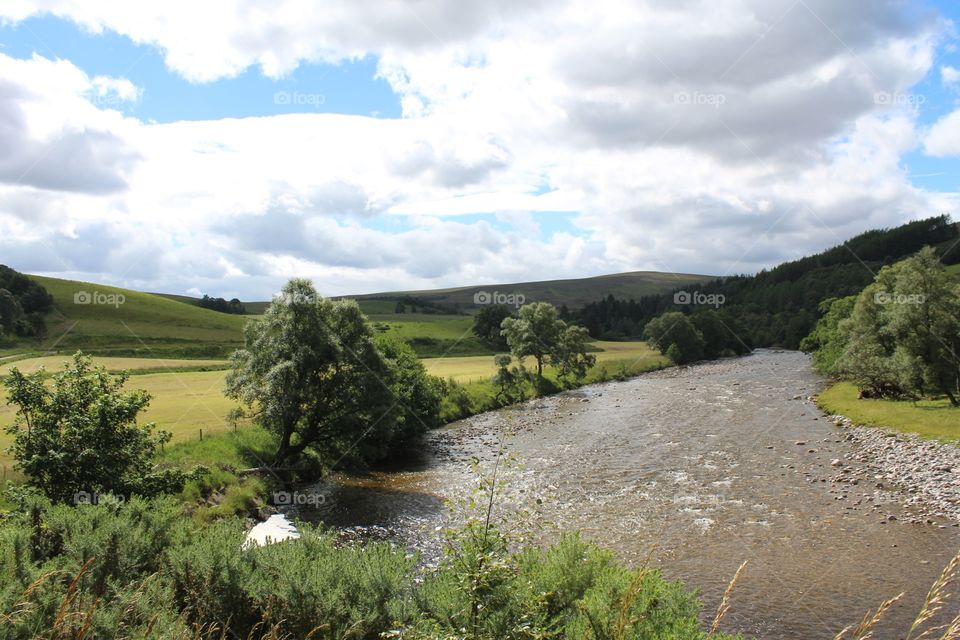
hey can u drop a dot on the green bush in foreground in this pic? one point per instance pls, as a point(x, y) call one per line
point(142, 570)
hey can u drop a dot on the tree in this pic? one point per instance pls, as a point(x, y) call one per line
point(675, 329)
point(10, 310)
point(488, 322)
point(924, 315)
point(570, 356)
point(826, 342)
point(418, 394)
point(81, 434)
point(535, 332)
point(509, 380)
point(903, 335)
point(311, 373)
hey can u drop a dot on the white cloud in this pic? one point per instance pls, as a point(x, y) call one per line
point(949, 75)
point(943, 139)
point(694, 136)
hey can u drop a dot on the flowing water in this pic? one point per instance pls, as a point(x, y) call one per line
point(703, 464)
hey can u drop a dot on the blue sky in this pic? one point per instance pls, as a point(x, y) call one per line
point(522, 144)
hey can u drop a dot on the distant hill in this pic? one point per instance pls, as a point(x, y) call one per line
point(573, 293)
point(113, 321)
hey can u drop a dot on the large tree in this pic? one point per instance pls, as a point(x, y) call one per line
point(675, 335)
point(902, 337)
point(80, 434)
point(570, 355)
point(534, 332)
point(311, 373)
point(488, 322)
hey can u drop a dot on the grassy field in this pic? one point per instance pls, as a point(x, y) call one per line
point(929, 418)
point(613, 354)
point(183, 404)
point(113, 364)
point(111, 321)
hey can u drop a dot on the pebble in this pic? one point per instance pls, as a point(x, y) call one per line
point(923, 471)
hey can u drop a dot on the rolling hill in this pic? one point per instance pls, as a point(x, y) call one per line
point(121, 322)
point(573, 293)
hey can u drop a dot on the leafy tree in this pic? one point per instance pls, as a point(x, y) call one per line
point(903, 335)
point(419, 395)
point(827, 342)
point(570, 356)
point(510, 381)
point(676, 329)
point(674, 353)
point(10, 310)
point(488, 323)
point(868, 347)
point(311, 373)
point(81, 434)
point(535, 332)
point(924, 315)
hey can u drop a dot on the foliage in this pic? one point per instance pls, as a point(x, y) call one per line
point(142, 570)
point(675, 335)
point(509, 381)
point(488, 323)
point(23, 303)
point(826, 341)
point(457, 402)
point(311, 373)
point(778, 307)
point(418, 394)
point(538, 332)
point(902, 338)
point(534, 332)
point(81, 435)
point(570, 356)
point(221, 305)
point(723, 335)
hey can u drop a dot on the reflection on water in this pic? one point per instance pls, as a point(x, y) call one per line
point(706, 464)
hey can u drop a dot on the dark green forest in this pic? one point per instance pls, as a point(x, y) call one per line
point(780, 307)
point(23, 303)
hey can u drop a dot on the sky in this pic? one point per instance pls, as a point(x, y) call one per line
point(223, 147)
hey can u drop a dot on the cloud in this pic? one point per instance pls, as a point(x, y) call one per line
point(943, 139)
point(696, 136)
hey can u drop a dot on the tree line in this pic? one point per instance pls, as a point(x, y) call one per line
point(779, 307)
point(897, 338)
point(23, 303)
point(223, 306)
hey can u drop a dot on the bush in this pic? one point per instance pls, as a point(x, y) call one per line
point(142, 570)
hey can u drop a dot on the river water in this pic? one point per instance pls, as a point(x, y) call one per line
point(702, 468)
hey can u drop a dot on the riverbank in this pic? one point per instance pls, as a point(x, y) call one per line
point(926, 471)
point(928, 418)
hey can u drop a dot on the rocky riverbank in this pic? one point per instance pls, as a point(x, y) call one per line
point(925, 472)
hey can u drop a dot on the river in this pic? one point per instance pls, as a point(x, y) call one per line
point(704, 465)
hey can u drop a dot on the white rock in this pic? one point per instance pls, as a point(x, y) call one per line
point(276, 529)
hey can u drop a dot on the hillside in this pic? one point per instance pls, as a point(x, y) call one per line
point(573, 293)
point(778, 307)
point(113, 321)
